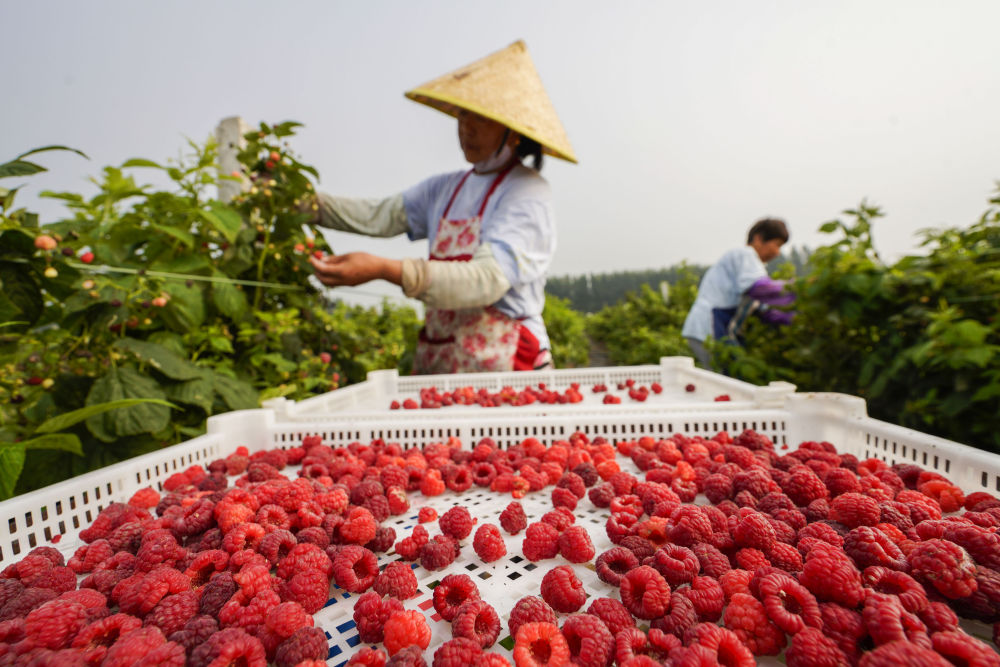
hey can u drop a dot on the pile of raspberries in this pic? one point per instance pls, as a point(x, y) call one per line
point(830, 560)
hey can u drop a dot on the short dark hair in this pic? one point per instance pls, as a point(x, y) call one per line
point(527, 147)
point(768, 229)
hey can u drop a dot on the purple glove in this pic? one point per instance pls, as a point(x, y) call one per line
point(771, 292)
point(772, 316)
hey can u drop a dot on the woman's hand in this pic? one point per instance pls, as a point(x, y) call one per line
point(356, 268)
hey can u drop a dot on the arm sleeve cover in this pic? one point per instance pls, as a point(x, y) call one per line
point(476, 283)
point(371, 217)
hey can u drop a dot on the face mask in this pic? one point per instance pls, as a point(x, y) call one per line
point(499, 158)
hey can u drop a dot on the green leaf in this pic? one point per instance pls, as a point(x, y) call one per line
point(199, 392)
point(224, 219)
point(67, 419)
point(11, 463)
point(230, 300)
point(20, 168)
point(162, 359)
point(185, 311)
point(184, 263)
point(67, 442)
point(184, 237)
point(52, 148)
point(22, 290)
point(126, 382)
point(828, 227)
point(238, 395)
point(140, 162)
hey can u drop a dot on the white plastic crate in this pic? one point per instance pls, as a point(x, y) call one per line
point(370, 400)
point(67, 507)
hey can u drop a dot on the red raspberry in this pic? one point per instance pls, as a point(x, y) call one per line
point(194, 633)
point(810, 648)
point(488, 543)
point(614, 563)
point(870, 546)
point(891, 582)
point(803, 486)
point(752, 529)
point(95, 639)
point(574, 483)
point(54, 624)
point(247, 610)
point(564, 498)
point(562, 590)
point(452, 592)
point(384, 538)
point(645, 593)
point(411, 656)
point(371, 613)
point(736, 581)
point(396, 580)
point(575, 545)
point(751, 559)
point(398, 502)
point(640, 546)
point(456, 523)
point(90, 556)
point(902, 652)
point(855, 509)
point(963, 649)
point(513, 518)
point(690, 526)
point(305, 557)
point(707, 596)
point(540, 644)
point(945, 566)
point(713, 562)
point(602, 495)
point(286, 618)
point(355, 569)
point(746, 617)
point(541, 541)
point(844, 626)
point(310, 588)
point(144, 591)
point(677, 564)
point(439, 553)
point(830, 575)
point(921, 507)
point(887, 621)
point(359, 527)
point(589, 641)
point(478, 621)
point(432, 484)
point(458, 652)
point(613, 613)
point(173, 612)
point(427, 514)
point(776, 590)
point(948, 496)
point(406, 628)
point(145, 646)
point(786, 557)
point(560, 518)
point(984, 604)
point(713, 645)
point(938, 617)
point(231, 646)
point(366, 657)
point(529, 609)
point(982, 544)
point(681, 618)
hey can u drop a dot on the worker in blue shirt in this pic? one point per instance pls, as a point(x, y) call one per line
point(736, 286)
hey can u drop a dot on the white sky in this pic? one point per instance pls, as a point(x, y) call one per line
point(691, 119)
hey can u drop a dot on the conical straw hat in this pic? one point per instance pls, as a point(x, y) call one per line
point(505, 87)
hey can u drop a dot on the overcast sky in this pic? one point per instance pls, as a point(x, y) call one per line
point(690, 119)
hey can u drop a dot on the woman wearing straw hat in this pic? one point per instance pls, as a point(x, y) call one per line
point(491, 228)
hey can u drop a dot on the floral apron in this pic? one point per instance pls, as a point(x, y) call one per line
point(470, 339)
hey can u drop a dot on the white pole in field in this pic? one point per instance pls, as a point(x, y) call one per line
point(229, 136)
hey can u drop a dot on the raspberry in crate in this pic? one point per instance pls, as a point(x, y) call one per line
point(647, 550)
